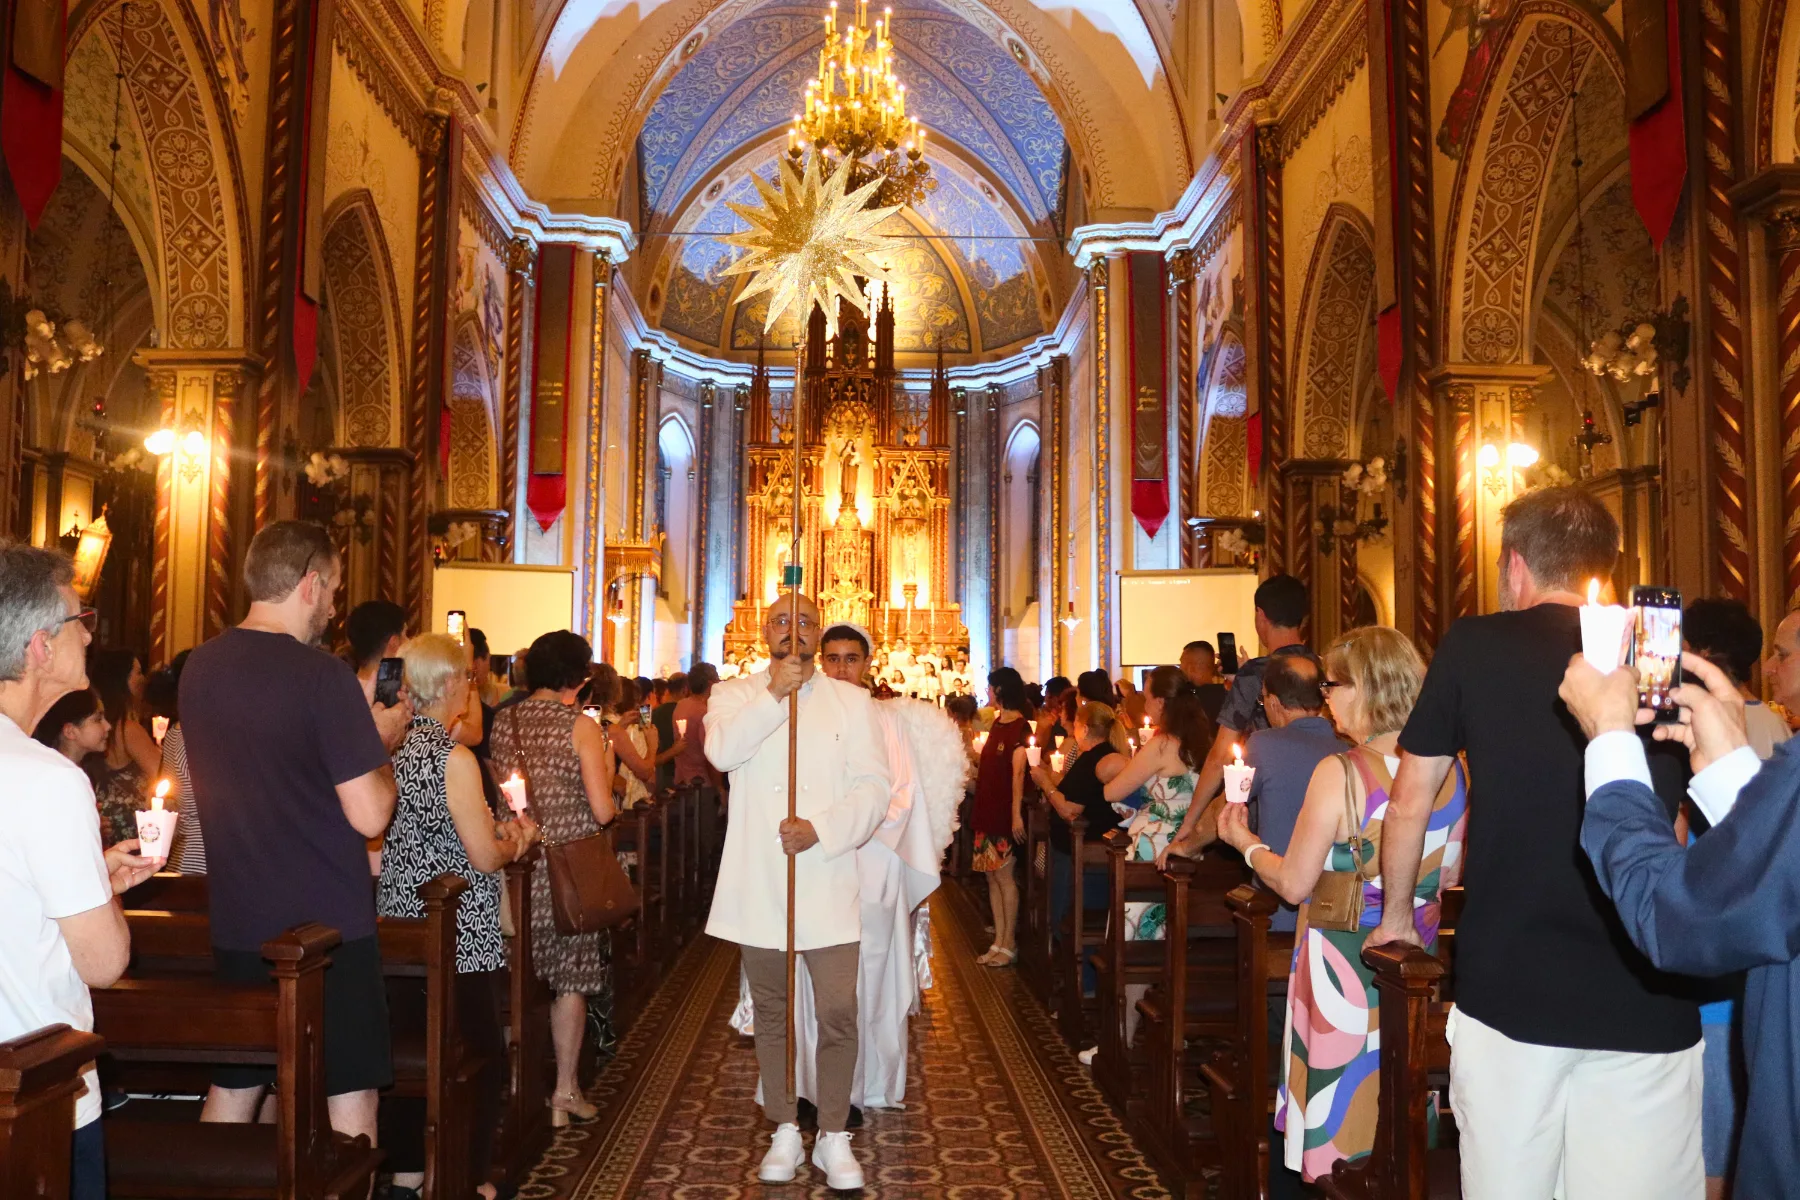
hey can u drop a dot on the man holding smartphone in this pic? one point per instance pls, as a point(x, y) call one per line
point(1575, 1064)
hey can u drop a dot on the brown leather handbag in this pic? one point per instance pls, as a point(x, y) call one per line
point(589, 890)
point(1336, 902)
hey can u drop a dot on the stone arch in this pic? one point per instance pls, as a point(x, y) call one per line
point(1499, 198)
point(472, 420)
point(1017, 606)
point(359, 305)
point(1225, 485)
point(1777, 83)
point(195, 178)
point(678, 516)
point(1335, 346)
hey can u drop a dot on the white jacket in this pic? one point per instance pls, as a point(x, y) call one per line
point(844, 789)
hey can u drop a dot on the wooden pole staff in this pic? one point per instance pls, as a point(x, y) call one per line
point(794, 575)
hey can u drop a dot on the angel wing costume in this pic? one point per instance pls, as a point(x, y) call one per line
point(899, 870)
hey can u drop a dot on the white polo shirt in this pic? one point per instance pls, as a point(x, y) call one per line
point(51, 866)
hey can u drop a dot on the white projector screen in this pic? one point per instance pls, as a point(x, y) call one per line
point(511, 604)
point(1162, 611)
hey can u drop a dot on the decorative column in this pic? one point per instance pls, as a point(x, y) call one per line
point(521, 256)
point(1774, 196)
point(200, 392)
point(588, 614)
point(1486, 405)
point(369, 520)
point(996, 467)
point(1721, 258)
point(1100, 289)
point(1265, 325)
point(1314, 488)
point(703, 459)
point(440, 172)
point(1187, 417)
point(1053, 397)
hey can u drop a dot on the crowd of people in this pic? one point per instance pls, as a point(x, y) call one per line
point(1624, 1021)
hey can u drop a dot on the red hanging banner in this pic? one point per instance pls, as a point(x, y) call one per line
point(546, 492)
point(31, 104)
point(1149, 418)
point(1658, 137)
point(315, 47)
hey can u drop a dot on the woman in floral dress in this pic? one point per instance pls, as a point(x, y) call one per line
point(1330, 1090)
point(568, 767)
point(1159, 781)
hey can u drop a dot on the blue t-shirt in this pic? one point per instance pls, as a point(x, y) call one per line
point(272, 727)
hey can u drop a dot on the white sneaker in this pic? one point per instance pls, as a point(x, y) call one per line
point(786, 1153)
point(831, 1154)
point(1087, 1056)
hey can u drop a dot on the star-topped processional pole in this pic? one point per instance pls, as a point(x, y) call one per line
point(808, 242)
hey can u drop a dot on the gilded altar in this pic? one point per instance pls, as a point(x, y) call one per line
point(875, 492)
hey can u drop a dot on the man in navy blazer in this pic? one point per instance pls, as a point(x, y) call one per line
point(1731, 901)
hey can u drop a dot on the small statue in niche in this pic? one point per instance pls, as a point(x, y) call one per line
point(848, 462)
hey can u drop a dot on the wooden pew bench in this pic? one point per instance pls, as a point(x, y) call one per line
point(40, 1081)
point(193, 1019)
point(1080, 938)
point(1120, 1068)
point(1190, 1009)
point(525, 1009)
point(1243, 1073)
point(1033, 933)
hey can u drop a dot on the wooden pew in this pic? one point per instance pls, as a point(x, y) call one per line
point(674, 851)
point(1082, 935)
point(431, 1064)
point(168, 892)
point(1242, 1075)
point(1415, 1059)
point(1034, 933)
point(1193, 1004)
point(418, 956)
point(197, 1020)
point(524, 1123)
point(40, 1081)
point(635, 966)
point(1119, 1068)
point(696, 842)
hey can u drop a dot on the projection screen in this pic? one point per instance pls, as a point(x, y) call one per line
point(510, 603)
point(1162, 611)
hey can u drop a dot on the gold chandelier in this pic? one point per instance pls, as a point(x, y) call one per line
point(856, 110)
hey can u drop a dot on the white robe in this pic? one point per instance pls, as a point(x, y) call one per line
point(898, 867)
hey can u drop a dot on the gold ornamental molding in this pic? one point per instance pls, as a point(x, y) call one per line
point(634, 558)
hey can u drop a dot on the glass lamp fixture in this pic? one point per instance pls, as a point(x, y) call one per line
point(855, 109)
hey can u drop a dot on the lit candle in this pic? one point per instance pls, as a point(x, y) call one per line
point(980, 742)
point(1237, 777)
point(1144, 734)
point(681, 727)
point(156, 826)
point(515, 793)
point(1603, 630)
point(1033, 752)
point(1057, 758)
point(159, 728)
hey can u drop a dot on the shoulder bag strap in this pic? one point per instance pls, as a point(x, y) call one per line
point(1350, 812)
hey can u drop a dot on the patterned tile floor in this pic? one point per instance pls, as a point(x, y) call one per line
point(997, 1107)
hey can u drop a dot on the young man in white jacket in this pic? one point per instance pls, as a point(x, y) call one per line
point(843, 787)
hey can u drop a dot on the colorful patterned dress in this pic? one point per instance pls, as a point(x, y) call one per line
point(993, 810)
point(1151, 830)
point(1327, 1102)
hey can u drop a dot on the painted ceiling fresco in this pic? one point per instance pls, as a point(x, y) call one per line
point(746, 82)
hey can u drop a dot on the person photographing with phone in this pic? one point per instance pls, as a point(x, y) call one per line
point(1725, 903)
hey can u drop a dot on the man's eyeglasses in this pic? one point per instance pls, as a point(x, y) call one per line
point(89, 618)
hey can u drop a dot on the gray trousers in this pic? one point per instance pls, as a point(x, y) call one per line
point(833, 970)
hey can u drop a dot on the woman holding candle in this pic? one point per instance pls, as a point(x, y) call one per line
point(442, 824)
point(1373, 678)
point(998, 818)
point(1166, 768)
point(568, 762)
point(635, 742)
point(1078, 793)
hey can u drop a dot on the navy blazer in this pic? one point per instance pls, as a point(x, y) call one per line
point(1729, 902)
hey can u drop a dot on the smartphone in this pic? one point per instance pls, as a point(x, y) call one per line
point(1656, 648)
point(455, 622)
point(591, 712)
point(644, 715)
point(1228, 662)
point(387, 681)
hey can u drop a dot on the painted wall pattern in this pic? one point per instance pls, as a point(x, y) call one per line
point(361, 326)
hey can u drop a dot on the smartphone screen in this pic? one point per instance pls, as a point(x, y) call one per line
point(455, 621)
point(644, 714)
point(387, 681)
point(1228, 662)
point(1656, 648)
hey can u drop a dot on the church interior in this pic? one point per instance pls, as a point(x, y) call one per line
point(1153, 290)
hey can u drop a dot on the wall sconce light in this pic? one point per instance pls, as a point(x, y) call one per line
point(192, 445)
point(90, 544)
point(1518, 457)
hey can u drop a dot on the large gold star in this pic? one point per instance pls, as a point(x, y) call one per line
point(809, 241)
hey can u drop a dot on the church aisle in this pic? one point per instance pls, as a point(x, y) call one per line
point(997, 1108)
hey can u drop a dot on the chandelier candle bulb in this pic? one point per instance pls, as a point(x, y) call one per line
point(156, 826)
point(1033, 752)
point(515, 793)
point(159, 728)
point(1603, 630)
point(1238, 777)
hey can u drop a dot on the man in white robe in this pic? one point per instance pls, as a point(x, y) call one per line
point(843, 793)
